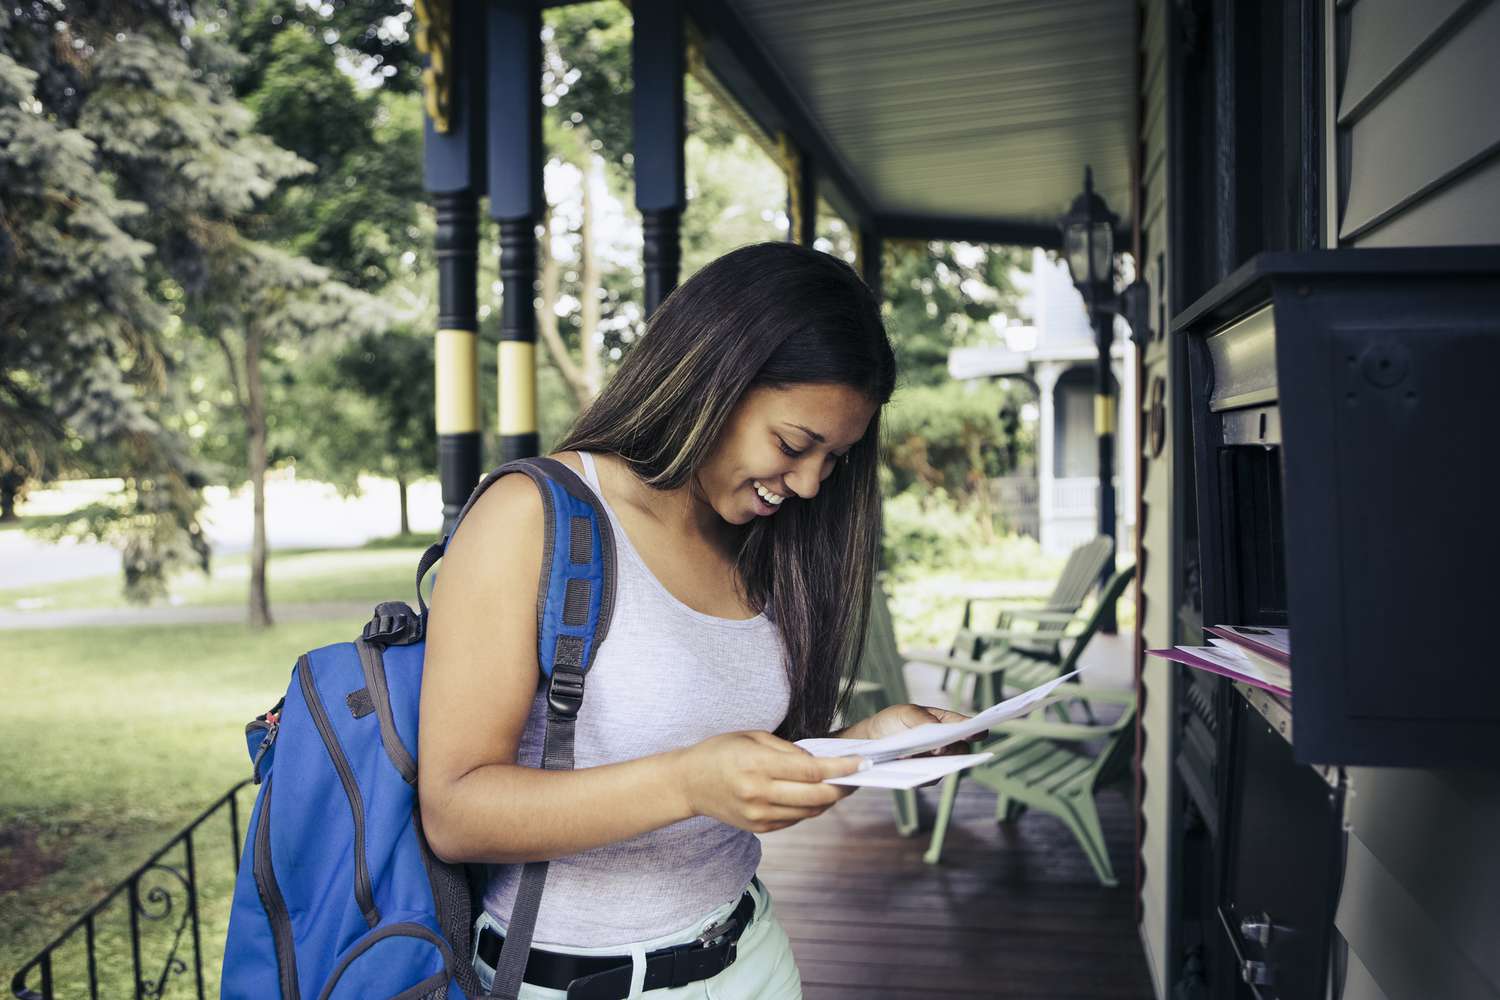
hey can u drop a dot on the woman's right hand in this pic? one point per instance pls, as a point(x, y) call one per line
point(758, 782)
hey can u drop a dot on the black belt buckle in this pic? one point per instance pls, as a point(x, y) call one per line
point(717, 932)
point(707, 955)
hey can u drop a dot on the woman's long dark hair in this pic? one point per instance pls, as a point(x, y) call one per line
point(770, 314)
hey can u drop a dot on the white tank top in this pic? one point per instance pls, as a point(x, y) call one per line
point(666, 676)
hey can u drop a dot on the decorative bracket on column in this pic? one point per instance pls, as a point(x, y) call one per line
point(801, 192)
point(434, 39)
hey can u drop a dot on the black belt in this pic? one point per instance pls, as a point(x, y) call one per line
point(607, 977)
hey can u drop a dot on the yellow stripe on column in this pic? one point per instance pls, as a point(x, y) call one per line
point(517, 387)
point(1104, 414)
point(457, 368)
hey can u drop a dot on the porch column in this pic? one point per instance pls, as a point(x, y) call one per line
point(453, 172)
point(1047, 375)
point(801, 197)
point(801, 192)
point(1106, 410)
point(514, 30)
point(658, 61)
point(456, 354)
point(869, 249)
point(1124, 371)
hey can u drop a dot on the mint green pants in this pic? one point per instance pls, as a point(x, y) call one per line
point(763, 969)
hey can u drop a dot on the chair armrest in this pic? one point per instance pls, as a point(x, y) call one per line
point(1043, 615)
point(992, 635)
point(1115, 696)
point(936, 659)
point(1068, 731)
point(1007, 604)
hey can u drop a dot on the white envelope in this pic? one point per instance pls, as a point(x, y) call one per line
point(934, 734)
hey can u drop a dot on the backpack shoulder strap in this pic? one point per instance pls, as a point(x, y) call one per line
point(576, 592)
point(575, 600)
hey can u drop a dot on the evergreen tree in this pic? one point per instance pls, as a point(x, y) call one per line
point(86, 363)
point(131, 184)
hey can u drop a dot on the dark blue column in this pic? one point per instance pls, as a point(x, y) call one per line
point(802, 194)
point(658, 62)
point(513, 41)
point(453, 173)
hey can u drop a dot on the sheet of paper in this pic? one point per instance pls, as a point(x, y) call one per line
point(1267, 640)
point(934, 734)
point(911, 771)
point(1218, 661)
point(1224, 652)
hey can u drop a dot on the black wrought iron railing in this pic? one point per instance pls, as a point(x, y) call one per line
point(147, 937)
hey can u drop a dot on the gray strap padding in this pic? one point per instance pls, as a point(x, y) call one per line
point(557, 755)
point(568, 661)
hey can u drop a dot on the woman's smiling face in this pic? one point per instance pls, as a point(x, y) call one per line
point(778, 446)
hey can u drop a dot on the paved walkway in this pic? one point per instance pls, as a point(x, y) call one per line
point(215, 614)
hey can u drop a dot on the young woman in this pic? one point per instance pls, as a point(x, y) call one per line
point(736, 454)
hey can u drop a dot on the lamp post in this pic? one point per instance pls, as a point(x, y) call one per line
point(1089, 246)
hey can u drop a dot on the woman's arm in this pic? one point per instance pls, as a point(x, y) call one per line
point(479, 678)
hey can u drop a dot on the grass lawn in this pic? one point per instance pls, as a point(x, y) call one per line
point(118, 737)
point(385, 570)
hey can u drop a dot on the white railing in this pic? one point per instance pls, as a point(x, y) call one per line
point(1074, 517)
point(1076, 496)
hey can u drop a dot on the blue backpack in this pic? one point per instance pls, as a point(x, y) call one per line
point(338, 894)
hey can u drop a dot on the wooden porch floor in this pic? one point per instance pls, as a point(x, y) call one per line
point(1010, 912)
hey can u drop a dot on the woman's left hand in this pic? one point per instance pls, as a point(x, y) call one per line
point(899, 718)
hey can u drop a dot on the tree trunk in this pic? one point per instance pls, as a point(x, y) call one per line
point(255, 416)
point(546, 317)
point(10, 489)
point(591, 342)
point(405, 520)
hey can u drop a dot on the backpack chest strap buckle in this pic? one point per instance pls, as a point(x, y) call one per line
point(565, 691)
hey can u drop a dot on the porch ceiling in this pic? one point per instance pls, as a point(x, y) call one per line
point(957, 111)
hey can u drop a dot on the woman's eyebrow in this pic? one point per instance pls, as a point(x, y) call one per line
point(811, 433)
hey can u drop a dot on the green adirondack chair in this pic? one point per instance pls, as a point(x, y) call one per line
point(1054, 767)
point(1002, 667)
point(1049, 619)
point(881, 683)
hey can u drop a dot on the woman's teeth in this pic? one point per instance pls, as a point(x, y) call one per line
point(771, 498)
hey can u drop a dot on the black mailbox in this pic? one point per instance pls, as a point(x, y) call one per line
point(1346, 455)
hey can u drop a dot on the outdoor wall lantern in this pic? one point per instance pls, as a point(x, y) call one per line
point(1089, 248)
point(1089, 243)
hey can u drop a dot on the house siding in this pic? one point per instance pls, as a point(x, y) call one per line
point(1415, 153)
point(1417, 135)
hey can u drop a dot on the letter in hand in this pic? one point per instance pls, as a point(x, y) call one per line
point(758, 782)
point(899, 718)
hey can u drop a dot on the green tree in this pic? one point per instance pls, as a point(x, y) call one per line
point(161, 118)
point(372, 403)
point(372, 36)
point(955, 440)
point(86, 359)
point(355, 210)
point(941, 295)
